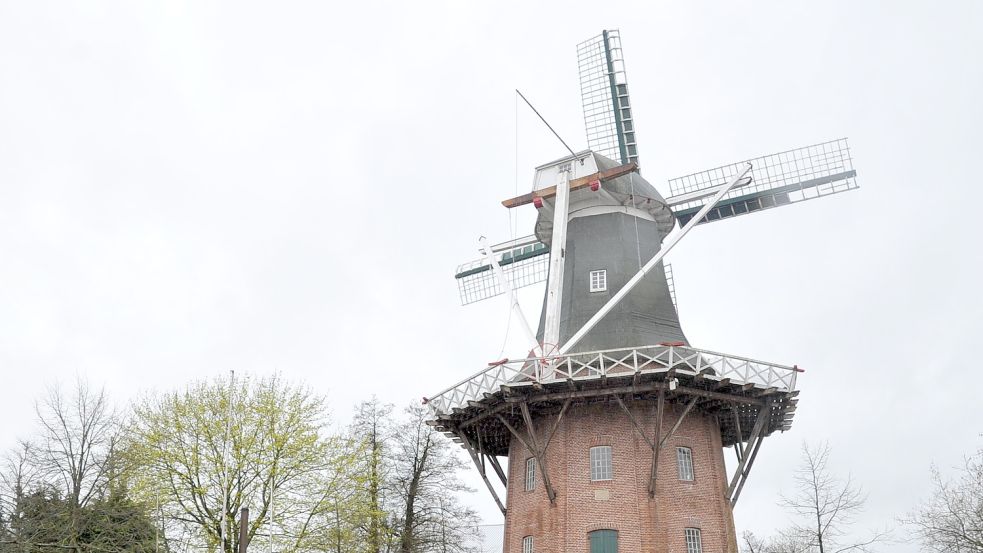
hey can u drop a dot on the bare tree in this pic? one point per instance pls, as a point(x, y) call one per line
point(64, 490)
point(17, 475)
point(952, 520)
point(827, 507)
point(428, 517)
point(79, 434)
point(372, 427)
point(780, 544)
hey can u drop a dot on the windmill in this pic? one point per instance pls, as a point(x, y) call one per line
point(612, 389)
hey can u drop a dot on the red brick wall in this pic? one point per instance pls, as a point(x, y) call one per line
point(643, 524)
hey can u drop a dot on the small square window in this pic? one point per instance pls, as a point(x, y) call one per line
point(530, 474)
point(684, 462)
point(599, 280)
point(600, 463)
point(693, 542)
point(527, 544)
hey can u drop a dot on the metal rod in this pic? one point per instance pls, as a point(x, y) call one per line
point(225, 460)
point(541, 118)
point(673, 240)
point(506, 285)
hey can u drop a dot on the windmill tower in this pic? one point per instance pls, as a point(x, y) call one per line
point(615, 426)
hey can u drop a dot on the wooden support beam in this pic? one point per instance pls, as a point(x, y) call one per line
point(556, 425)
point(747, 471)
point(550, 493)
point(679, 421)
point(660, 409)
point(498, 470)
point(634, 423)
point(515, 432)
point(481, 470)
point(740, 435)
point(759, 424)
point(581, 182)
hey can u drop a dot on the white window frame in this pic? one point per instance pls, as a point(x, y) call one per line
point(601, 463)
point(530, 474)
point(527, 545)
point(684, 464)
point(599, 280)
point(694, 543)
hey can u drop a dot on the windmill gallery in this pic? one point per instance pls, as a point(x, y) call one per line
point(615, 426)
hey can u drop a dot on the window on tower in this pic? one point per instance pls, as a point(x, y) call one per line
point(527, 544)
point(693, 542)
point(684, 463)
point(530, 474)
point(599, 280)
point(600, 463)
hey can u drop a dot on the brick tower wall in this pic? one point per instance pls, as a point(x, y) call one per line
point(644, 524)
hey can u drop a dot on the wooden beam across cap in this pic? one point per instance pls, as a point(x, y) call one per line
point(581, 182)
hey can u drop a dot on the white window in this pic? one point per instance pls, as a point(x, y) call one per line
point(527, 544)
point(530, 474)
point(693, 542)
point(684, 462)
point(600, 462)
point(599, 281)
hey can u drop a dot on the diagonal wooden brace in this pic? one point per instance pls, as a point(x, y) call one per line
point(660, 409)
point(679, 421)
point(498, 470)
point(535, 450)
point(763, 415)
point(747, 470)
point(475, 457)
point(638, 427)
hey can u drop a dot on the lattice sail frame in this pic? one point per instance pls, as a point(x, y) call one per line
point(777, 179)
point(604, 96)
point(524, 265)
point(525, 262)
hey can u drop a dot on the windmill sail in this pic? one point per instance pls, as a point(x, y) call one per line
point(604, 95)
point(524, 261)
point(776, 180)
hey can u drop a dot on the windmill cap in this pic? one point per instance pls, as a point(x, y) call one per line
point(630, 194)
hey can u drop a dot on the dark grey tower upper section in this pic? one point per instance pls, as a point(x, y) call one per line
point(605, 232)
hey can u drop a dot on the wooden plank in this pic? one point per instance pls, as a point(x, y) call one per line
point(574, 185)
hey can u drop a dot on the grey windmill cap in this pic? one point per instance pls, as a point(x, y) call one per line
point(626, 191)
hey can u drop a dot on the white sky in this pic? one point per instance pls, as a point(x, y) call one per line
point(189, 187)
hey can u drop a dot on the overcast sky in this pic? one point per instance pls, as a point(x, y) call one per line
point(192, 187)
